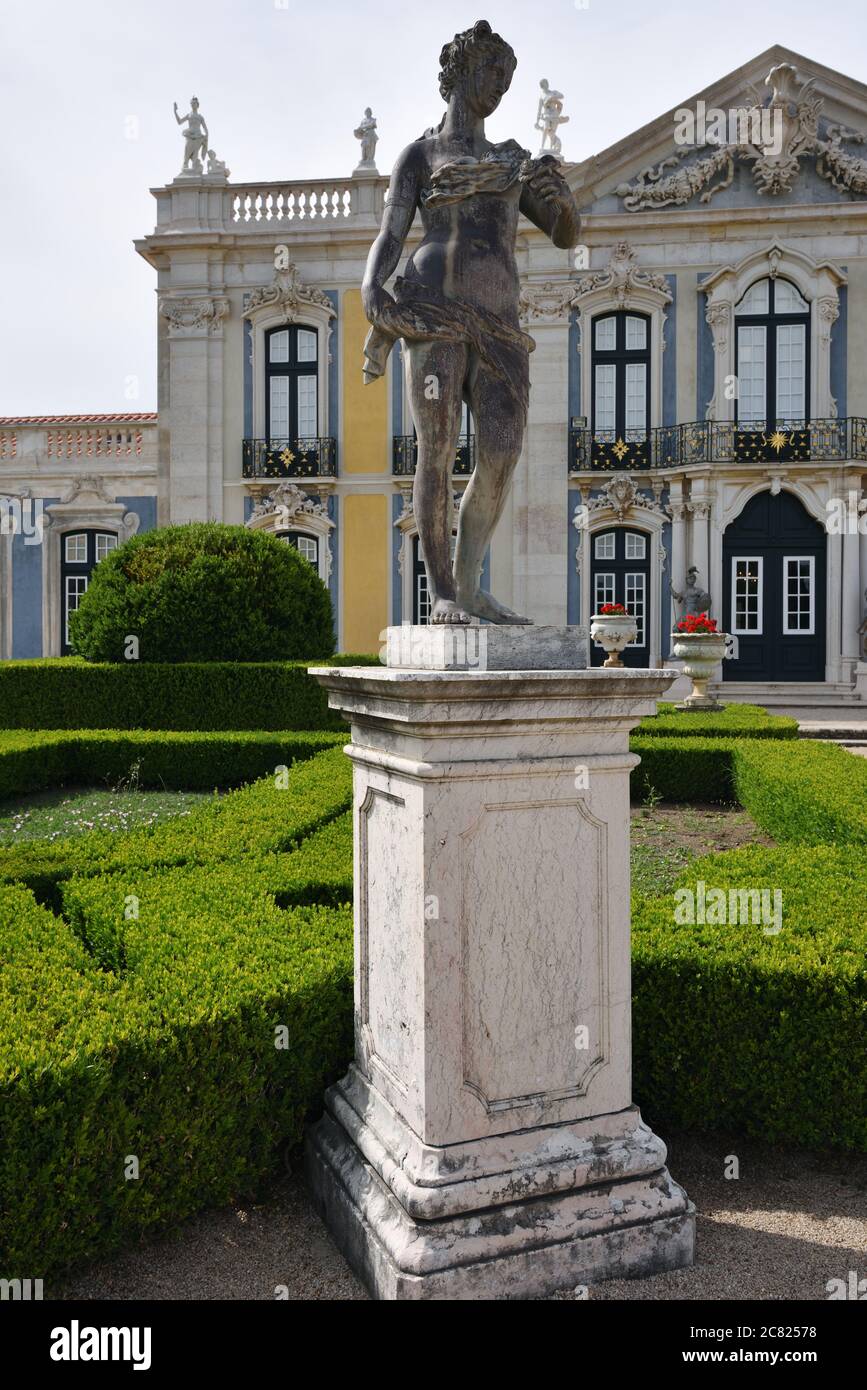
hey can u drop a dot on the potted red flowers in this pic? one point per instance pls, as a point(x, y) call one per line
point(613, 628)
point(701, 647)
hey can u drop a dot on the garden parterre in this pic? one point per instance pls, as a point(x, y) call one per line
point(181, 995)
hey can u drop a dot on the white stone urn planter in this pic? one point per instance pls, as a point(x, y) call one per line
point(613, 632)
point(701, 653)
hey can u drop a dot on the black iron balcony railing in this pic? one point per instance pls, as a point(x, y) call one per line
point(713, 441)
point(405, 455)
point(289, 458)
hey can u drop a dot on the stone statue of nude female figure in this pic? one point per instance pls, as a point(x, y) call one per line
point(456, 309)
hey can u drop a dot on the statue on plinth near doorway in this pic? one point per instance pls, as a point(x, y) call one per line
point(694, 598)
point(195, 137)
point(549, 117)
point(456, 309)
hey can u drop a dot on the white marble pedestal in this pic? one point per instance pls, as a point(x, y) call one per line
point(484, 1144)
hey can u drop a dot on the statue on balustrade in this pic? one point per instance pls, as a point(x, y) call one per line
point(195, 137)
point(365, 131)
point(694, 598)
point(456, 310)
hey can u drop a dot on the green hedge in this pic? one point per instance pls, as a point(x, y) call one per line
point(68, 693)
point(809, 792)
point(265, 817)
point(764, 1034)
point(32, 760)
point(204, 591)
point(142, 1021)
point(172, 1060)
point(734, 721)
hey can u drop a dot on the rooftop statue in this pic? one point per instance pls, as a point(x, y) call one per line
point(365, 131)
point(548, 117)
point(195, 137)
point(456, 309)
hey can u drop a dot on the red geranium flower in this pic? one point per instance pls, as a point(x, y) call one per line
point(698, 624)
point(613, 610)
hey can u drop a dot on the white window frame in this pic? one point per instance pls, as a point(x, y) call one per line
point(760, 612)
point(641, 626)
point(608, 554)
point(799, 631)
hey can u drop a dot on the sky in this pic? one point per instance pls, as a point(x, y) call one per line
point(87, 129)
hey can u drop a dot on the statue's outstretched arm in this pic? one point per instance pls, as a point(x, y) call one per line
point(385, 253)
point(547, 201)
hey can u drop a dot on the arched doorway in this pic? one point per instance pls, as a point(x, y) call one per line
point(774, 591)
point(620, 573)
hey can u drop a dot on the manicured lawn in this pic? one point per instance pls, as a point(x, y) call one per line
point(54, 815)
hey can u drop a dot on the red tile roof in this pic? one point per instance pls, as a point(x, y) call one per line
point(140, 416)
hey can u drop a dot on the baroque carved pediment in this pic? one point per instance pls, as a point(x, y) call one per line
point(290, 503)
point(624, 276)
point(774, 134)
point(621, 496)
point(289, 294)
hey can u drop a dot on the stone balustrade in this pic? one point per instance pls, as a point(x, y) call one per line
point(60, 438)
point(209, 203)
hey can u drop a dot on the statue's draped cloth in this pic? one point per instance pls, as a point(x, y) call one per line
point(421, 314)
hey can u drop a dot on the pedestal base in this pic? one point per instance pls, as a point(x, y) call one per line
point(513, 1216)
point(701, 704)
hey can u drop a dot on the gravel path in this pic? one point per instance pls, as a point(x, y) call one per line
point(789, 1223)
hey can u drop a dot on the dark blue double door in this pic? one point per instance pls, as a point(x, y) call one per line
point(774, 591)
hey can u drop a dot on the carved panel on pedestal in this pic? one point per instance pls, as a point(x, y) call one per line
point(386, 910)
point(529, 980)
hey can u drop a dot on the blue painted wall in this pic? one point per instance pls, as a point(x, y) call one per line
point(669, 358)
point(145, 507)
point(705, 365)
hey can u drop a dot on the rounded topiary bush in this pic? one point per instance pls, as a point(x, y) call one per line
point(204, 592)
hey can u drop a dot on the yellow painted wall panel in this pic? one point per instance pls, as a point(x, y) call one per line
point(365, 408)
point(856, 355)
point(365, 570)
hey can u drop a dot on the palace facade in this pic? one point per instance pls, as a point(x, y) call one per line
point(698, 396)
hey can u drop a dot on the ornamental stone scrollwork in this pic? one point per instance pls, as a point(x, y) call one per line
point(291, 502)
point(549, 302)
point(289, 295)
point(93, 488)
point(194, 318)
point(621, 496)
point(774, 134)
point(623, 276)
point(286, 507)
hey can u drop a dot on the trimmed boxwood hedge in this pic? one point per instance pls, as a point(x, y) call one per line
point(204, 591)
point(265, 817)
point(733, 721)
point(809, 792)
point(68, 693)
point(152, 1032)
point(32, 760)
point(764, 1034)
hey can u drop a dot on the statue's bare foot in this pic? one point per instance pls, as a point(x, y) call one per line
point(484, 605)
point(445, 610)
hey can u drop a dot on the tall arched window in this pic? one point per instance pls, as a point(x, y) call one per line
point(621, 388)
point(771, 356)
point(292, 408)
